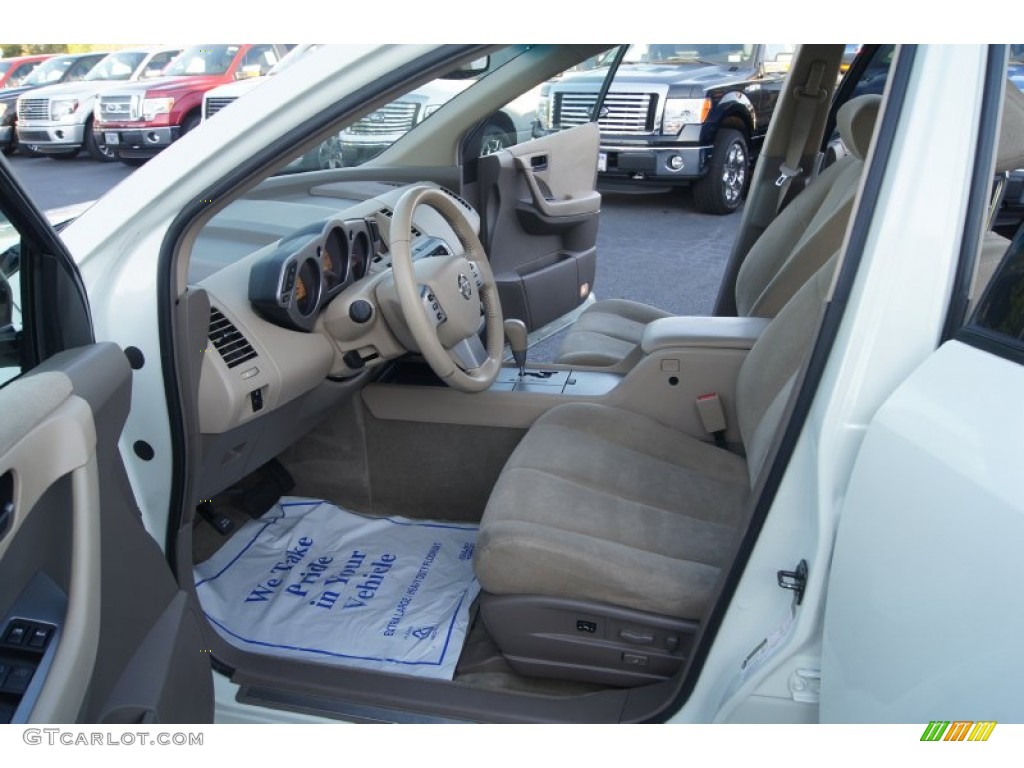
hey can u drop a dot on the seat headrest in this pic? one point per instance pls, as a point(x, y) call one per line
point(856, 122)
point(1010, 152)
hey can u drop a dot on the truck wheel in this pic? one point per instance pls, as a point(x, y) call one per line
point(97, 151)
point(722, 188)
point(189, 123)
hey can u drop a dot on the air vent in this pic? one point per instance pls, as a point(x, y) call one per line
point(389, 213)
point(228, 340)
point(457, 199)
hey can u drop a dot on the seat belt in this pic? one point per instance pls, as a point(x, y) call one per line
point(767, 207)
point(810, 94)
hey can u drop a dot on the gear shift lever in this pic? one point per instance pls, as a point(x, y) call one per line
point(515, 332)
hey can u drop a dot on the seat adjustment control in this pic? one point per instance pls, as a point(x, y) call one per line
point(637, 636)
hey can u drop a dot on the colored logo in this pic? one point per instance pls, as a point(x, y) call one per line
point(959, 730)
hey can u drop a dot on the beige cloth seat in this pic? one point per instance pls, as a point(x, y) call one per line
point(601, 512)
point(603, 505)
point(800, 239)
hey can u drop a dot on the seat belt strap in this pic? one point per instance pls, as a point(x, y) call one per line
point(809, 95)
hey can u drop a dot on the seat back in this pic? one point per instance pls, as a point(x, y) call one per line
point(811, 228)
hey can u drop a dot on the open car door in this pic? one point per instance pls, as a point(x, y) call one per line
point(93, 626)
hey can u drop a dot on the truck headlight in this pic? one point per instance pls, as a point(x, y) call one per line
point(153, 107)
point(63, 108)
point(680, 112)
point(544, 111)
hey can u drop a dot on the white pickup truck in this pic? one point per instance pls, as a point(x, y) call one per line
point(57, 120)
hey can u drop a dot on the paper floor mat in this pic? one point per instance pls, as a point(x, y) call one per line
point(312, 581)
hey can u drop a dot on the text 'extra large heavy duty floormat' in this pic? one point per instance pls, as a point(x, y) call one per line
point(312, 581)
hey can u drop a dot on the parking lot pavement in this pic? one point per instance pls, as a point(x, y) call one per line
point(59, 183)
point(652, 248)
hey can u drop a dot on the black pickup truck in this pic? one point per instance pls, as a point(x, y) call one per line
point(676, 114)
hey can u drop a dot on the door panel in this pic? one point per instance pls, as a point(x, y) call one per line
point(539, 216)
point(77, 568)
point(924, 614)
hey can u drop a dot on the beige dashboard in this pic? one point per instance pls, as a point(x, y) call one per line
point(253, 365)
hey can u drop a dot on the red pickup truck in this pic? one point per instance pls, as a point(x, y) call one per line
point(138, 121)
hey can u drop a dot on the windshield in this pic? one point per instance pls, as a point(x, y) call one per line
point(204, 60)
point(117, 66)
point(50, 71)
point(685, 53)
point(4, 66)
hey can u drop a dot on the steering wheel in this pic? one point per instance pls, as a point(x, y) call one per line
point(440, 296)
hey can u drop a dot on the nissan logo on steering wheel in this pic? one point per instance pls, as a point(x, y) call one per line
point(464, 287)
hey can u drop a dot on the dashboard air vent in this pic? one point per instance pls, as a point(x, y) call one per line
point(229, 341)
point(457, 199)
point(389, 213)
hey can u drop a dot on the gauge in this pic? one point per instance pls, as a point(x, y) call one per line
point(359, 257)
point(307, 288)
point(334, 258)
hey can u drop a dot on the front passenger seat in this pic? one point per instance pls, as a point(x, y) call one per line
point(800, 239)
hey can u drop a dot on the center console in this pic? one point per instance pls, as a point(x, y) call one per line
point(685, 360)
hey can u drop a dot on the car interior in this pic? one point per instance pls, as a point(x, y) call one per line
point(342, 352)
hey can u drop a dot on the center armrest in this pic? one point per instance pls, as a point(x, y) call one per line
point(697, 331)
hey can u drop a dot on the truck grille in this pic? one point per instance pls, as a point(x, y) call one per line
point(397, 117)
point(626, 112)
point(115, 108)
point(33, 109)
point(215, 105)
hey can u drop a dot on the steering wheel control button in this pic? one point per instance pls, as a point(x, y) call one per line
point(360, 311)
point(432, 306)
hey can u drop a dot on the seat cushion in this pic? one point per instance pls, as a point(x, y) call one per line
point(601, 504)
point(607, 332)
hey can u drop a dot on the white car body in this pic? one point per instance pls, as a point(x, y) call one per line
point(882, 633)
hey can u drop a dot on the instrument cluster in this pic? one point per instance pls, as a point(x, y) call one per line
point(290, 285)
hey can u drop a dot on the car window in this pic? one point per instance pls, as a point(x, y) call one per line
point(116, 66)
point(371, 135)
point(1001, 309)
point(156, 65)
point(80, 69)
point(50, 71)
point(21, 72)
point(258, 61)
point(10, 301)
point(204, 60)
